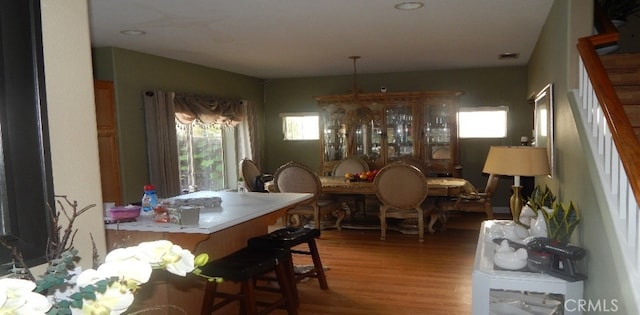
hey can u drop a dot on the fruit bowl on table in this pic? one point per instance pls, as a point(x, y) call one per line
point(361, 177)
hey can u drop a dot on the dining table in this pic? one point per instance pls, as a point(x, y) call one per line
point(438, 186)
point(440, 189)
point(221, 229)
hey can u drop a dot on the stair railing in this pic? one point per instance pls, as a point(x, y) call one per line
point(614, 146)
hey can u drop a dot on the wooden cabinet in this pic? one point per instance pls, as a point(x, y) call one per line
point(384, 127)
point(108, 142)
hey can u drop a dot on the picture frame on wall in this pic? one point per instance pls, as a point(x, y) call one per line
point(543, 123)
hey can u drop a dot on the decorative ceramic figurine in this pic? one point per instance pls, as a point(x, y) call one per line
point(508, 258)
point(527, 215)
point(539, 226)
point(496, 231)
point(515, 232)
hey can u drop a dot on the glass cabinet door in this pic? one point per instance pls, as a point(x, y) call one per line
point(399, 133)
point(437, 132)
point(368, 139)
point(333, 134)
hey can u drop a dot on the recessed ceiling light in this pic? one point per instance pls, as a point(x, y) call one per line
point(509, 56)
point(409, 5)
point(133, 32)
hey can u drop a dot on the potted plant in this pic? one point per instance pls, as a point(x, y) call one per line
point(560, 221)
point(541, 199)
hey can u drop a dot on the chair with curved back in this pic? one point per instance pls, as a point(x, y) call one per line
point(478, 200)
point(401, 189)
point(411, 160)
point(352, 165)
point(298, 178)
point(249, 171)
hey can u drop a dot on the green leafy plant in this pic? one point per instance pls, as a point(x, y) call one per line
point(541, 198)
point(561, 220)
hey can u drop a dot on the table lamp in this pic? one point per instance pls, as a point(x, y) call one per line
point(517, 161)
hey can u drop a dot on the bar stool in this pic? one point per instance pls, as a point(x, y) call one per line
point(290, 237)
point(244, 266)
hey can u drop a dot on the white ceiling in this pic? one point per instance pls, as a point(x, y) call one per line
point(302, 38)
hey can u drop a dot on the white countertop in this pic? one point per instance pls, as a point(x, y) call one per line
point(236, 208)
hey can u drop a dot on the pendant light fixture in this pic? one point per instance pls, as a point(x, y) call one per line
point(363, 113)
point(355, 77)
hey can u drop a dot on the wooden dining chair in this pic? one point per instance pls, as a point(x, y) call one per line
point(478, 200)
point(401, 189)
point(249, 171)
point(298, 178)
point(352, 165)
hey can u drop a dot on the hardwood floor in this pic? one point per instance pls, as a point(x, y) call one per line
point(368, 276)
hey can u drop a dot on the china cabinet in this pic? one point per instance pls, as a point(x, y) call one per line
point(384, 127)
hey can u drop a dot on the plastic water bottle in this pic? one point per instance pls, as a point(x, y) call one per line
point(149, 200)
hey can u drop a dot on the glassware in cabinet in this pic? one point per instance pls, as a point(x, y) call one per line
point(400, 133)
point(440, 137)
point(333, 134)
point(384, 127)
point(368, 139)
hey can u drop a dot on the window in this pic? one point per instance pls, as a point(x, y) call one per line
point(202, 152)
point(482, 122)
point(300, 126)
point(26, 183)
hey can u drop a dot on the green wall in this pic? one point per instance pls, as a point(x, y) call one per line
point(555, 61)
point(134, 72)
point(499, 86)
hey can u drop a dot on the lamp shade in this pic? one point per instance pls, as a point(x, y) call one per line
point(517, 161)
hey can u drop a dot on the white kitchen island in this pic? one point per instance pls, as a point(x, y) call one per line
point(220, 231)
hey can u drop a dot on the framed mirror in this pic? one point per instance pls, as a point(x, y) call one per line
point(543, 127)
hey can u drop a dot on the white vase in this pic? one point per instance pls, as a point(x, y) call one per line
point(539, 226)
point(527, 215)
point(515, 232)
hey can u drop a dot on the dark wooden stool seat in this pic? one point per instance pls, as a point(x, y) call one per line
point(243, 267)
point(290, 237)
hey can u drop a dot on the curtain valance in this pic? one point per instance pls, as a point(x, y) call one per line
point(208, 109)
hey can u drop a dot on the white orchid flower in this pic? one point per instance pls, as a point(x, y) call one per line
point(178, 261)
point(17, 297)
point(116, 300)
point(122, 254)
point(118, 296)
point(135, 270)
point(164, 254)
point(89, 277)
point(152, 252)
